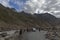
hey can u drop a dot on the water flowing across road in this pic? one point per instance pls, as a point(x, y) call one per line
point(35, 35)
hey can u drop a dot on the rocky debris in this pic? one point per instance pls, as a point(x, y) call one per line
point(10, 35)
point(4, 34)
point(52, 35)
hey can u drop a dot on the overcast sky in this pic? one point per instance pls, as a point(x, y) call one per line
point(33, 6)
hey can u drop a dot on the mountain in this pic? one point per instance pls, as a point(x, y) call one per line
point(11, 19)
point(47, 18)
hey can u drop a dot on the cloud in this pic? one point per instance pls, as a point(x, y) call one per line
point(50, 6)
point(33, 6)
point(17, 4)
point(41, 5)
point(5, 3)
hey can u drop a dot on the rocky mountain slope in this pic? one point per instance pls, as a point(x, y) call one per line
point(11, 19)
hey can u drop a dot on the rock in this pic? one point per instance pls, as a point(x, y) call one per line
point(4, 34)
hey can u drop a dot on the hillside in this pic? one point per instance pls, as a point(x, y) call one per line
point(11, 19)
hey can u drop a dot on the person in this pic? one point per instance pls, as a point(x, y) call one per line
point(20, 31)
point(39, 29)
point(24, 30)
point(27, 30)
point(54, 28)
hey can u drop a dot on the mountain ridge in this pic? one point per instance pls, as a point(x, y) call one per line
point(11, 19)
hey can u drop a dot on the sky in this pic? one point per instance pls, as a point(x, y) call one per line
point(34, 6)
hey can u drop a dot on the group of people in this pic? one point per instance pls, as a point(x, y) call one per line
point(34, 29)
point(28, 30)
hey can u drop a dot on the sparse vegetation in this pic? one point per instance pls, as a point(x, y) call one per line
point(11, 19)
